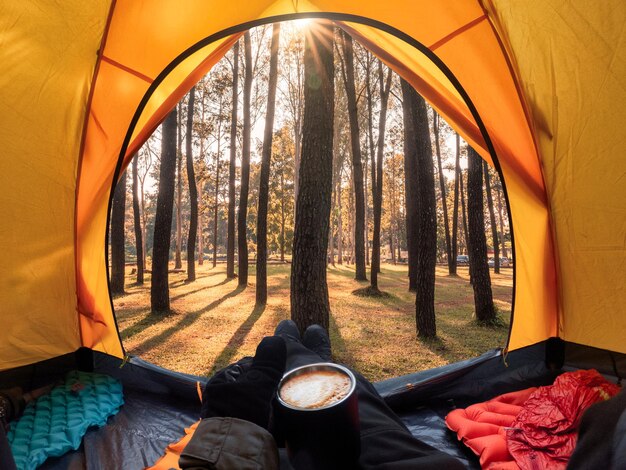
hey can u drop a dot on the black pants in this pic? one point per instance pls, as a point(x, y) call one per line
point(386, 443)
point(6, 457)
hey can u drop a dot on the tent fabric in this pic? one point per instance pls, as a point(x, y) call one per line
point(544, 80)
point(571, 62)
point(487, 81)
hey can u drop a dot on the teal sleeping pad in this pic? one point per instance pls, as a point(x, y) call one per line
point(56, 423)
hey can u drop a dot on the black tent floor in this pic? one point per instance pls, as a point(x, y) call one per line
point(132, 439)
point(138, 435)
point(159, 403)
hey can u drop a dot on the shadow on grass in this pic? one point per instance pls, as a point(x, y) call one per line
point(187, 320)
point(339, 347)
point(185, 294)
point(438, 347)
point(236, 341)
point(183, 282)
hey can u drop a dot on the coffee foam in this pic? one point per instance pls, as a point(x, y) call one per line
point(315, 389)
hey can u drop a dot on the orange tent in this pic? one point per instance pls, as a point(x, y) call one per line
point(535, 86)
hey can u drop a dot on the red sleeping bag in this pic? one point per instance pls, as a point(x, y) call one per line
point(533, 428)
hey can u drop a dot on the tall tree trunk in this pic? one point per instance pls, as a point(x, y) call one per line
point(410, 183)
point(339, 224)
point(242, 215)
point(377, 199)
point(444, 202)
point(371, 153)
point(351, 213)
point(501, 221)
point(193, 193)
point(464, 215)
point(139, 242)
point(455, 209)
point(178, 263)
point(393, 219)
point(266, 159)
point(481, 282)
point(357, 168)
point(283, 216)
point(230, 249)
point(159, 290)
point(118, 258)
point(217, 185)
point(427, 234)
point(200, 225)
point(492, 220)
point(144, 224)
point(309, 291)
point(426, 230)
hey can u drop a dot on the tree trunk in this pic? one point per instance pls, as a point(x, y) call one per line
point(137, 223)
point(481, 282)
point(242, 215)
point(444, 202)
point(455, 209)
point(393, 218)
point(410, 183)
point(230, 249)
point(261, 227)
point(377, 199)
point(217, 185)
point(501, 221)
point(159, 290)
point(118, 258)
point(339, 225)
point(426, 230)
point(464, 216)
point(200, 222)
point(357, 168)
point(178, 263)
point(492, 220)
point(283, 216)
point(309, 291)
point(193, 193)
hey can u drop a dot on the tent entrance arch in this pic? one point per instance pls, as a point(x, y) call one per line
point(341, 20)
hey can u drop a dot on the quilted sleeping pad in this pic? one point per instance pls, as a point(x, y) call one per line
point(57, 422)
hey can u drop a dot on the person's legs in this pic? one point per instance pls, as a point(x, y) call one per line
point(385, 440)
point(297, 354)
point(316, 339)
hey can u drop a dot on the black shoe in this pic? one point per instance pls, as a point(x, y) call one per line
point(288, 330)
point(317, 340)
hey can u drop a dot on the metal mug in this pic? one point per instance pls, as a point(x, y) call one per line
point(326, 437)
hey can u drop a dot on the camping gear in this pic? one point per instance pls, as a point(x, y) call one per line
point(537, 88)
point(56, 423)
point(531, 428)
point(545, 431)
point(482, 427)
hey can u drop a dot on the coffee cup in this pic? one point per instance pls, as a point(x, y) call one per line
point(318, 416)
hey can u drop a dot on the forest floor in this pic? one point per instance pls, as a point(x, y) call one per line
point(215, 322)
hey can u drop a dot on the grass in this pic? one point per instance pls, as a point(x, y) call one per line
point(214, 322)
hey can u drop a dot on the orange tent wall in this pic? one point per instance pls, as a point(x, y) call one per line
point(145, 36)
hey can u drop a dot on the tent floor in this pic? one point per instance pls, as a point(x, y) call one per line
point(160, 403)
point(137, 436)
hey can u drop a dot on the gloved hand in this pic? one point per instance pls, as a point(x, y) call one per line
point(248, 397)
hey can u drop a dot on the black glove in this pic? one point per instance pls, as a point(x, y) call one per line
point(250, 395)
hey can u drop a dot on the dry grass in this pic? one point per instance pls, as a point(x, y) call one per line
point(214, 322)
